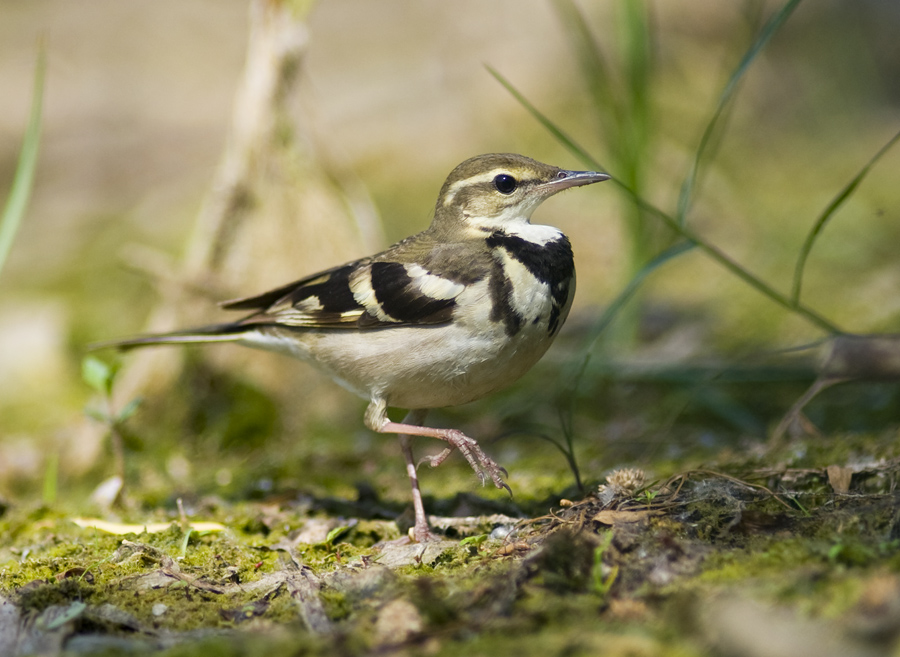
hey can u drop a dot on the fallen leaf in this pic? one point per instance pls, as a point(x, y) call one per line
point(839, 478)
point(396, 556)
point(612, 517)
point(120, 528)
point(512, 548)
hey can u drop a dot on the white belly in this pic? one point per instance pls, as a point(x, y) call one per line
point(421, 366)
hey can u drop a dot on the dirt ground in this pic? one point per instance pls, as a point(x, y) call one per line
point(767, 560)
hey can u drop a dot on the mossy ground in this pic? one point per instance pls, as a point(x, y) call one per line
point(619, 572)
point(733, 545)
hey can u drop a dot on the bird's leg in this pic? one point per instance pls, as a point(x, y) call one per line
point(471, 450)
point(421, 530)
point(377, 420)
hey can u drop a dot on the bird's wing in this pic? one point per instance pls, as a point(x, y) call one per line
point(362, 294)
point(321, 300)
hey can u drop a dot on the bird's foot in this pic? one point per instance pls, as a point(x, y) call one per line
point(481, 463)
point(424, 534)
point(483, 466)
point(416, 535)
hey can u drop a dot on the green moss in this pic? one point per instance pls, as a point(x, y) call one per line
point(575, 640)
point(252, 644)
point(337, 605)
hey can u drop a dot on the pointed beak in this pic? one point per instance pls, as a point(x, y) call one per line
point(565, 179)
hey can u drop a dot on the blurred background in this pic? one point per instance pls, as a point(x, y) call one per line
point(386, 97)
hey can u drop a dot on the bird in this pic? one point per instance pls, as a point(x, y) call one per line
point(441, 318)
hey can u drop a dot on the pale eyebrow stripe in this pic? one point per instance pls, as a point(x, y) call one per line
point(484, 177)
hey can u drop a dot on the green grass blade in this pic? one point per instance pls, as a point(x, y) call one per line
point(637, 280)
point(708, 249)
point(567, 411)
point(781, 299)
point(579, 152)
point(621, 105)
point(595, 70)
point(638, 62)
point(765, 35)
point(558, 134)
point(20, 192)
point(826, 215)
point(51, 479)
point(621, 299)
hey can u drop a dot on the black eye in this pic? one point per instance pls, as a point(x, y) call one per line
point(505, 183)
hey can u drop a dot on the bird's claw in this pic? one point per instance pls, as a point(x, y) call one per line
point(436, 459)
point(480, 462)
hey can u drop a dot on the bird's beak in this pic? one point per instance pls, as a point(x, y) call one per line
point(565, 179)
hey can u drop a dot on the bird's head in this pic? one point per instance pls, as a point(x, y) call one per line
point(498, 190)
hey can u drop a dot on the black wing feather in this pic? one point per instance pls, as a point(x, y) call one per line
point(326, 300)
point(402, 300)
point(330, 283)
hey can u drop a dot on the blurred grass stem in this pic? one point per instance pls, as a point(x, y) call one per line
point(712, 129)
point(623, 114)
point(23, 181)
point(626, 181)
point(712, 251)
point(51, 479)
point(826, 215)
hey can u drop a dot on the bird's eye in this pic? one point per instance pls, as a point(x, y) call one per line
point(505, 183)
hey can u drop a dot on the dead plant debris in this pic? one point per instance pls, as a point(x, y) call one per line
point(273, 573)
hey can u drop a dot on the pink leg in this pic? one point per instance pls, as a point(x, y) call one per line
point(480, 462)
point(376, 419)
point(421, 530)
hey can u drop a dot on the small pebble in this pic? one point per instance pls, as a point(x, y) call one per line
point(159, 609)
point(501, 531)
point(398, 622)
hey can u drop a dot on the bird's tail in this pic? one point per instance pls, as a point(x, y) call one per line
point(201, 335)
